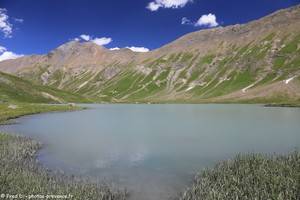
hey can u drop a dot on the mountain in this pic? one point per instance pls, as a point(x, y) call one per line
point(14, 89)
point(254, 62)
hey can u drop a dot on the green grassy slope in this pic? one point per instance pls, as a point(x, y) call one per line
point(190, 77)
point(15, 89)
point(176, 77)
point(11, 111)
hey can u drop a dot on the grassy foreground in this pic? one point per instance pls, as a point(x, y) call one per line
point(251, 176)
point(21, 175)
point(12, 111)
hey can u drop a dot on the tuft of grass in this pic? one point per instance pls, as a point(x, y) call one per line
point(269, 37)
point(279, 62)
point(252, 176)
point(21, 174)
point(186, 57)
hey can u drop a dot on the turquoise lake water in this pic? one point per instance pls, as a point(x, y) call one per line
point(155, 150)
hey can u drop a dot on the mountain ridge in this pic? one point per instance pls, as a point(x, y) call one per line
point(244, 63)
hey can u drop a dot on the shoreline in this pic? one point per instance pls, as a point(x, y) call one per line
point(264, 104)
point(283, 105)
point(19, 157)
point(10, 112)
point(29, 166)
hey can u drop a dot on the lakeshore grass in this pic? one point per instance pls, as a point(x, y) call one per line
point(12, 111)
point(289, 105)
point(252, 176)
point(21, 174)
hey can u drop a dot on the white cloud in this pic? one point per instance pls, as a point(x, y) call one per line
point(85, 37)
point(156, 4)
point(115, 48)
point(185, 20)
point(132, 48)
point(2, 49)
point(153, 6)
point(209, 20)
point(138, 49)
point(5, 26)
point(6, 55)
point(99, 41)
point(19, 20)
point(102, 41)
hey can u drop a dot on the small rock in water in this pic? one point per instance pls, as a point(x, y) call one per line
point(72, 104)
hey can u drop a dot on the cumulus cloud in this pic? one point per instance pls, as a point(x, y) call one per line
point(99, 41)
point(115, 48)
point(6, 55)
point(132, 48)
point(5, 26)
point(138, 49)
point(156, 4)
point(209, 20)
point(153, 6)
point(85, 37)
point(185, 20)
point(2, 49)
point(102, 41)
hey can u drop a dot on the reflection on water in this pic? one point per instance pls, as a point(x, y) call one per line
point(155, 150)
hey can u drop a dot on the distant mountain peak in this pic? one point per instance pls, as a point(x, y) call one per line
point(79, 45)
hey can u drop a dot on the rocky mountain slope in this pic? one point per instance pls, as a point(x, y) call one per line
point(254, 62)
point(14, 89)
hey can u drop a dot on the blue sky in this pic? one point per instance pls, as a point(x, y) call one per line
point(38, 26)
